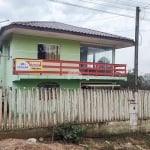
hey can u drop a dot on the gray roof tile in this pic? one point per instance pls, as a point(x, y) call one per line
point(68, 28)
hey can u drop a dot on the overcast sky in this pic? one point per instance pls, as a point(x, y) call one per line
point(45, 10)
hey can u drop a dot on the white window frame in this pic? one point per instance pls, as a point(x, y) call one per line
point(52, 45)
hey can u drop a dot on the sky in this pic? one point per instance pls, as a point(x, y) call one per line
point(47, 10)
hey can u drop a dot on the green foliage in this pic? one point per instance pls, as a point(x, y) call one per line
point(129, 84)
point(69, 132)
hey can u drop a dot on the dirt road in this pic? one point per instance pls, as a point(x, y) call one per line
point(19, 144)
point(136, 142)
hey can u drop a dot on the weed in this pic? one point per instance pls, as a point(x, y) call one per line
point(69, 132)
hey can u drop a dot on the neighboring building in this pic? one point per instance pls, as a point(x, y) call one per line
point(52, 54)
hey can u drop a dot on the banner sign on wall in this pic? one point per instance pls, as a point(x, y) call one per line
point(28, 65)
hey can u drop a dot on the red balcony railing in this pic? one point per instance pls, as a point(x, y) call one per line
point(62, 67)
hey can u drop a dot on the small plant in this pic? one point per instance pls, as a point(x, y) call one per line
point(69, 132)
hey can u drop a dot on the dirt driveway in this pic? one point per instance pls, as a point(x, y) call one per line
point(125, 142)
point(19, 144)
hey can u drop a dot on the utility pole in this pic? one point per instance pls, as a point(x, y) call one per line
point(134, 101)
point(136, 49)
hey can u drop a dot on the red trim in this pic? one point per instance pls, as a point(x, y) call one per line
point(75, 68)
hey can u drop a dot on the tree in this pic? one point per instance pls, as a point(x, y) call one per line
point(143, 84)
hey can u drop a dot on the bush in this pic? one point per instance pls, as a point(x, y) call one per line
point(69, 132)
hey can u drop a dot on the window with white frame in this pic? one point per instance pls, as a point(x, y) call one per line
point(49, 51)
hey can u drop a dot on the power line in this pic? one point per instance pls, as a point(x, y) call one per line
point(112, 2)
point(112, 5)
point(106, 5)
point(142, 4)
point(123, 3)
point(104, 11)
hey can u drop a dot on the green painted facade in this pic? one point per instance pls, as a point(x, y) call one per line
point(34, 83)
point(25, 46)
point(6, 64)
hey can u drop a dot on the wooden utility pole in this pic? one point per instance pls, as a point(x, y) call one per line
point(134, 101)
point(136, 49)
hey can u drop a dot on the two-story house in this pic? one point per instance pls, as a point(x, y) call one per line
point(53, 54)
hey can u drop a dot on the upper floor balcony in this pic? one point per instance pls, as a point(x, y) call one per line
point(24, 66)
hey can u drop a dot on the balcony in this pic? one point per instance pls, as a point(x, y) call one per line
point(23, 66)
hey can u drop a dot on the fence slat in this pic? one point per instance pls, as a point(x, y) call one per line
point(10, 108)
point(33, 107)
point(81, 109)
point(29, 107)
point(5, 109)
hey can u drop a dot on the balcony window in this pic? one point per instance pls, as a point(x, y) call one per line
point(49, 51)
point(92, 53)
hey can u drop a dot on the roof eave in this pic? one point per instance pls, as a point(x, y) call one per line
point(11, 26)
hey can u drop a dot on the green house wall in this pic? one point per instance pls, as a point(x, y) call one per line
point(25, 46)
point(6, 64)
point(71, 84)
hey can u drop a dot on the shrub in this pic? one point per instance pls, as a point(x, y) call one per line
point(69, 132)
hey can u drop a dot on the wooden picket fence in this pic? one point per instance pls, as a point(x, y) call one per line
point(34, 107)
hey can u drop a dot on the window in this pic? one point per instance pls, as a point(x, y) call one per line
point(48, 85)
point(92, 53)
point(98, 85)
point(48, 51)
point(48, 90)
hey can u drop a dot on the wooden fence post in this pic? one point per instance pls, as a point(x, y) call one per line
point(133, 110)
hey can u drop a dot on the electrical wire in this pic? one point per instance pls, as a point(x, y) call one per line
point(137, 3)
point(105, 5)
point(114, 4)
point(100, 10)
point(104, 11)
point(143, 6)
point(123, 6)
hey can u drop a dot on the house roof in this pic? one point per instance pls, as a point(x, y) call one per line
point(65, 28)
